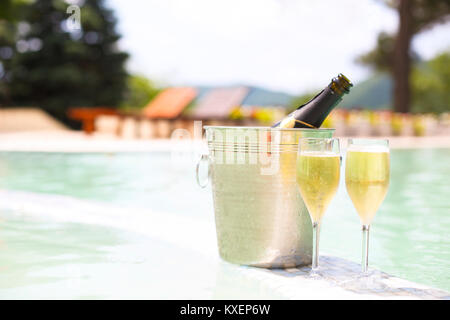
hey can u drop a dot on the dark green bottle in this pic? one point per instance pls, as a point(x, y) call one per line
point(313, 113)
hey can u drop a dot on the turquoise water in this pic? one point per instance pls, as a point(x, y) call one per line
point(409, 236)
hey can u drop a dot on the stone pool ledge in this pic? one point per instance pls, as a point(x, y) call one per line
point(340, 279)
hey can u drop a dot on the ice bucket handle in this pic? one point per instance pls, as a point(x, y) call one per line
point(203, 159)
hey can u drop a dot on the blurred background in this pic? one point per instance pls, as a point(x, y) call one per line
point(140, 69)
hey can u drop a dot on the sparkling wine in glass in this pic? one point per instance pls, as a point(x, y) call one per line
point(367, 181)
point(318, 173)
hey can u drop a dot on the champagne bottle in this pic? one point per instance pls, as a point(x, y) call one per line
point(313, 113)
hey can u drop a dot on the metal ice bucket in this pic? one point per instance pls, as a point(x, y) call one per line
point(261, 219)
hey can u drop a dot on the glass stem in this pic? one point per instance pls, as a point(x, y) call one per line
point(365, 248)
point(316, 235)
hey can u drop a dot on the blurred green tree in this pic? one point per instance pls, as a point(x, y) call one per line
point(380, 58)
point(139, 92)
point(10, 10)
point(10, 14)
point(56, 67)
point(431, 85)
point(393, 53)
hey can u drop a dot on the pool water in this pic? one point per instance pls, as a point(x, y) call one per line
point(40, 252)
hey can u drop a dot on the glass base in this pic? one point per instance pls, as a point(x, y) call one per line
point(371, 280)
point(321, 274)
point(315, 273)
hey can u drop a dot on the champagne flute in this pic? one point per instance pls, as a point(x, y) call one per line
point(318, 173)
point(367, 181)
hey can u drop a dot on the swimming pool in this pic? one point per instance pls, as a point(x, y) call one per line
point(67, 219)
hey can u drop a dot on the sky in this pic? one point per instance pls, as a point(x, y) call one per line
point(294, 46)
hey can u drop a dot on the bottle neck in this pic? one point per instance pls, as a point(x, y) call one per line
point(315, 111)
